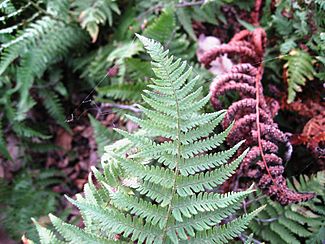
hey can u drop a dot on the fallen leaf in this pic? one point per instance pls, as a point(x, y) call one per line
point(63, 139)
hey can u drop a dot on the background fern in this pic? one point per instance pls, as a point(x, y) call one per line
point(102, 135)
point(297, 40)
point(299, 68)
point(93, 13)
point(29, 57)
point(296, 223)
point(29, 195)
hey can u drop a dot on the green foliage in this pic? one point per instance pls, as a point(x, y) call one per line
point(3, 147)
point(297, 222)
point(162, 28)
point(52, 52)
point(299, 68)
point(102, 135)
point(124, 92)
point(28, 195)
point(93, 13)
point(35, 37)
point(52, 104)
point(296, 28)
point(7, 7)
point(156, 192)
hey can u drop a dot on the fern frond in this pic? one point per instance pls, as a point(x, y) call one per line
point(75, 235)
point(52, 104)
point(93, 13)
point(143, 196)
point(299, 68)
point(23, 130)
point(11, 12)
point(46, 236)
point(185, 20)
point(18, 204)
point(37, 47)
point(224, 233)
point(162, 27)
point(321, 4)
point(7, 7)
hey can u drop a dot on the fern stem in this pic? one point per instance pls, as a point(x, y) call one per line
point(133, 107)
point(188, 4)
point(178, 159)
point(257, 86)
point(244, 238)
point(267, 220)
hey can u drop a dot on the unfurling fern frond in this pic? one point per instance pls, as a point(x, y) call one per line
point(155, 182)
point(298, 68)
point(297, 222)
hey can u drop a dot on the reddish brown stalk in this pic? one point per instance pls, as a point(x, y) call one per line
point(256, 12)
point(258, 126)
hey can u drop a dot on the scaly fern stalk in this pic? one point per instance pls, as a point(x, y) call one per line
point(297, 222)
point(155, 192)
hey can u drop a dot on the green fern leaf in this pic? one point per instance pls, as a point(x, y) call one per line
point(46, 236)
point(93, 13)
point(52, 104)
point(7, 7)
point(162, 28)
point(143, 196)
point(299, 68)
point(124, 92)
point(185, 20)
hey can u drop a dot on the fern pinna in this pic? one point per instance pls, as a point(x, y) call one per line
point(153, 192)
point(254, 117)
